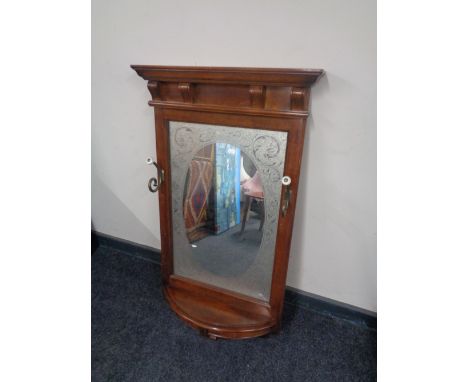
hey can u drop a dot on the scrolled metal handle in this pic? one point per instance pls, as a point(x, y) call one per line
point(155, 184)
point(286, 200)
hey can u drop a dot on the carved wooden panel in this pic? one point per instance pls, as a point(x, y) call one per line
point(273, 91)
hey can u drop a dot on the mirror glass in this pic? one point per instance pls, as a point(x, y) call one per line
point(225, 187)
point(223, 208)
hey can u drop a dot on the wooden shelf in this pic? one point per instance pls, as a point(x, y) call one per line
point(225, 75)
point(218, 313)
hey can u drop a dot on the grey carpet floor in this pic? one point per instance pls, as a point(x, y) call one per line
point(136, 337)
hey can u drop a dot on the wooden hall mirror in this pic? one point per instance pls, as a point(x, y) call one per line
point(229, 145)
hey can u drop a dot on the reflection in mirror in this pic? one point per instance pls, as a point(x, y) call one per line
point(223, 208)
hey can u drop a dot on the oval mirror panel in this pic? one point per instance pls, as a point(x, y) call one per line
point(225, 197)
point(223, 208)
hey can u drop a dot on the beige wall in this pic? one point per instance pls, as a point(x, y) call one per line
point(334, 243)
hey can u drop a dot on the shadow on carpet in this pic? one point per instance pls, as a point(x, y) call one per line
point(136, 337)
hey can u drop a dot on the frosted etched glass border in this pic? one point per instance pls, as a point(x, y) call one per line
point(267, 149)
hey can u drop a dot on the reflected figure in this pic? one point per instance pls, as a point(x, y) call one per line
point(223, 209)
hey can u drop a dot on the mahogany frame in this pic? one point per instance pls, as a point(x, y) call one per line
point(259, 98)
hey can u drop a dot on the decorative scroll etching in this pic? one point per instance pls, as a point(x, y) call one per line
point(267, 150)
